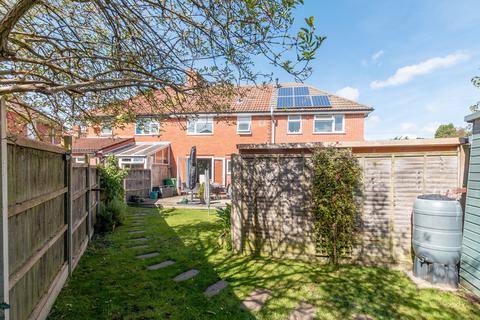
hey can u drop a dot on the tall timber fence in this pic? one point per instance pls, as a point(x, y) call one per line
point(46, 225)
point(137, 183)
point(271, 195)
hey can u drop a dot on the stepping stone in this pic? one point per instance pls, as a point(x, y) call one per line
point(256, 299)
point(215, 288)
point(161, 265)
point(304, 311)
point(136, 231)
point(186, 275)
point(140, 246)
point(139, 239)
point(362, 317)
point(147, 255)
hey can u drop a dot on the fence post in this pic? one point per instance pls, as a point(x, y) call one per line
point(88, 196)
point(4, 272)
point(67, 141)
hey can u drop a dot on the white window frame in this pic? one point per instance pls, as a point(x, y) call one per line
point(294, 120)
point(195, 133)
point(332, 119)
point(244, 119)
point(228, 165)
point(147, 123)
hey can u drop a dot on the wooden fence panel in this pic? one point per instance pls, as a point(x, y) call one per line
point(137, 183)
point(37, 224)
point(271, 197)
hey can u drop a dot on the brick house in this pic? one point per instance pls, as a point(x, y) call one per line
point(267, 114)
point(32, 125)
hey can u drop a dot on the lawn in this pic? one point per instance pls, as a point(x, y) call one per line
point(110, 283)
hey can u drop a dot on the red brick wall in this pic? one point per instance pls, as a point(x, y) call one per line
point(354, 126)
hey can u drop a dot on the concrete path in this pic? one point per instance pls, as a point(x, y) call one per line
point(256, 299)
point(186, 275)
point(161, 265)
point(215, 288)
point(147, 255)
point(304, 311)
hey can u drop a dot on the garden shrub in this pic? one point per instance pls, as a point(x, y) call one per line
point(225, 215)
point(112, 209)
point(337, 178)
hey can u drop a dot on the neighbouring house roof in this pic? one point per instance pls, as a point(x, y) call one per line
point(94, 145)
point(251, 99)
point(140, 149)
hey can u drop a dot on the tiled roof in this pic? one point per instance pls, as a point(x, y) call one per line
point(88, 145)
point(251, 99)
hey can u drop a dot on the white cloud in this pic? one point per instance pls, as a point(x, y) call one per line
point(408, 73)
point(373, 121)
point(430, 127)
point(429, 107)
point(349, 93)
point(407, 126)
point(377, 55)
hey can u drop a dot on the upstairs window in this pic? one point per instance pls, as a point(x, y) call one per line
point(244, 124)
point(294, 124)
point(202, 125)
point(147, 126)
point(106, 130)
point(328, 124)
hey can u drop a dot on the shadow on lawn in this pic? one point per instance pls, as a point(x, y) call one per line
point(110, 283)
point(337, 294)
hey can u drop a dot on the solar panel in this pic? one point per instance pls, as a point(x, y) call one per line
point(301, 91)
point(303, 101)
point(285, 92)
point(285, 102)
point(321, 101)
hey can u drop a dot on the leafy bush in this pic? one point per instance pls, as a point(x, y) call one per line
point(336, 182)
point(112, 209)
point(225, 215)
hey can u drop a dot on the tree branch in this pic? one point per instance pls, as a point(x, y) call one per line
point(8, 22)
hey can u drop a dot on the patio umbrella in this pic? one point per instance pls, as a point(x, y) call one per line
point(192, 179)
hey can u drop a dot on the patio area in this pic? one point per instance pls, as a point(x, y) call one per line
point(179, 203)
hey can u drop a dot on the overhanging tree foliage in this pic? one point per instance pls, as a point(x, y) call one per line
point(336, 182)
point(450, 131)
point(64, 58)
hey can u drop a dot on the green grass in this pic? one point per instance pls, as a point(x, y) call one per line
point(110, 283)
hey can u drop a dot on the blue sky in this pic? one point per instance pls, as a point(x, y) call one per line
point(411, 60)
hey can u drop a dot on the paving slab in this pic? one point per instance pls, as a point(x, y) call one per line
point(362, 316)
point(136, 231)
point(215, 288)
point(161, 265)
point(140, 246)
point(186, 275)
point(256, 299)
point(139, 239)
point(147, 255)
point(303, 311)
